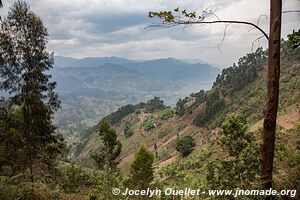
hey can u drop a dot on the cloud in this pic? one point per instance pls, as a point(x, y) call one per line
point(82, 28)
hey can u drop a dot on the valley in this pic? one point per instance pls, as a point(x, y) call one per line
point(92, 88)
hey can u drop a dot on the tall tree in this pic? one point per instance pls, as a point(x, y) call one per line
point(240, 167)
point(269, 130)
point(182, 17)
point(24, 62)
point(108, 153)
point(141, 170)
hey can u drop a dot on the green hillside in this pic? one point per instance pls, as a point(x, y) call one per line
point(239, 89)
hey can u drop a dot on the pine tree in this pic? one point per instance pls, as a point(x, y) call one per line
point(24, 63)
point(141, 170)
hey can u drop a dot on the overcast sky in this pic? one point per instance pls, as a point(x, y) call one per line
point(89, 28)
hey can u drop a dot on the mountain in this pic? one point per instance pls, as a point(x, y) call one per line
point(61, 61)
point(173, 69)
point(239, 89)
point(91, 88)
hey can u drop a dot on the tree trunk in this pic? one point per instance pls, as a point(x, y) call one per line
point(267, 149)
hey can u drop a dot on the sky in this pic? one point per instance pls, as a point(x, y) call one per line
point(99, 28)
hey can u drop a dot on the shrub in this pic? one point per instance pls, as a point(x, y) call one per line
point(148, 124)
point(166, 114)
point(185, 145)
point(74, 176)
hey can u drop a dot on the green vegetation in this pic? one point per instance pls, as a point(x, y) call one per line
point(150, 106)
point(122, 112)
point(180, 108)
point(73, 178)
point(154, 104)
point(213, 106)
point(148, 123)
point(141, 172)
point(240, 168)
point(127, 131)
point(28, 135)
point(166, 114)
point(108, 153)
point(240, 75)
point(185, 145)
point(294, 40)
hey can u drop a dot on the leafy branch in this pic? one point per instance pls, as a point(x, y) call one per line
point(183, 17)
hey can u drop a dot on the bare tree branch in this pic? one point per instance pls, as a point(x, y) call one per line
point(256, 40)
point(181, 22)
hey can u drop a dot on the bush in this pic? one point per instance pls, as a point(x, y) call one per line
point(148, 124)
point(166, 114)
point(127, 131)
point(185, 145)
point(74, 176)
point(27, 191)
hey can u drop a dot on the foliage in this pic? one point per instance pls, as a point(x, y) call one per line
point(240, 75)
point(180, 106)
point(150, 106)
point(294, 39)
point(141, 172)
point(213, 106)
point(117, 116)
point(148, 123)
point(109, 152)
point(166, 114)
point(173, 170)
point(240, 168)
point(24, 64)
point(106, 179)
point(185, 145)
point(127, 131)
point(154, 104)
point(28, 191)
point(73, 177)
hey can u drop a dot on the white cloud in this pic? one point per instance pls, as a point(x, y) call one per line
point(82, 28)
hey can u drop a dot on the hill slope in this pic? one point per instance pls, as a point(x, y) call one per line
point(91, 88)
point(200, 116)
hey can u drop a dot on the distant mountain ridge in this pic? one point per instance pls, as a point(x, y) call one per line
point(61, 61)
point(91, 88)
point(163, 69)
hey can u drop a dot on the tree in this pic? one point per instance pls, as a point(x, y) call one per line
point(141, 170)
point(110, 150)
point(185, 145)
point(240, 168)
point(154, 104)
point(182, 17)
point(12, 145)
point(294, 40)
point(106, 179)
point(127, 131)
point(24, 61)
